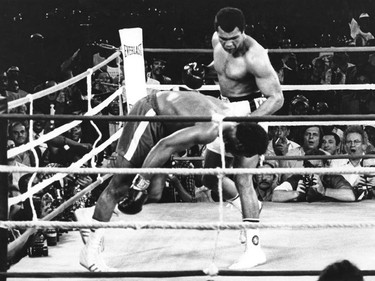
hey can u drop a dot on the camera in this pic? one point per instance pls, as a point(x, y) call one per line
point(39, 248)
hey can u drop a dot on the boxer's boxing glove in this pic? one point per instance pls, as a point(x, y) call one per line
point(137, 196)
point(193, 75)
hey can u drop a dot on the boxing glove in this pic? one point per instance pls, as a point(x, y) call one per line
point(193, 75)
point(137, 196)
point(133, 203)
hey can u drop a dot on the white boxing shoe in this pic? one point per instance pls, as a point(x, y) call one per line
point(83, 215)
point(91, 258)
point(252, 257)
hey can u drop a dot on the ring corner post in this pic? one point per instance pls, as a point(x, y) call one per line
point(3, 189)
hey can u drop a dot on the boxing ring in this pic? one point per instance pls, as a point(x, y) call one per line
point(293, 254)
point(195, 241)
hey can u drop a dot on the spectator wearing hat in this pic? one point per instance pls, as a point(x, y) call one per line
point(157, 71)
point(360, 30)
point(264, 184)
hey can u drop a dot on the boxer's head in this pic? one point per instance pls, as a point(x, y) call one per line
point(230, 26)
point(246, 139)
point(229, 18)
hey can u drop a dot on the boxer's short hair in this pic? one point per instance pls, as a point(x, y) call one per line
point(229, 18)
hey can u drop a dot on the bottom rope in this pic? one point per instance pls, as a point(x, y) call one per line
point(181, 225)
point(166, 274)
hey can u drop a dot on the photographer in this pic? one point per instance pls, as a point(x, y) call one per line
point(310, 188)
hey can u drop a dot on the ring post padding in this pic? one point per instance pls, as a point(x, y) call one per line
point(134, 65)
point(3, 187)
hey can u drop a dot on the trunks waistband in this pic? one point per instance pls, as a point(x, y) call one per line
point(250, 98)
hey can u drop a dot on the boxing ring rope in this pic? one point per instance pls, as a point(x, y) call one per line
point(167, 274)
point(317, 87)
point(283, 120)
point(188, 171)
point(198, 118)
point(217, 171)
point(220, 225)
point(329, 50)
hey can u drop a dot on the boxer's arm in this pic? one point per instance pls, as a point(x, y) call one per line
point(268, 83)
point(210, 69)
point(179, 141)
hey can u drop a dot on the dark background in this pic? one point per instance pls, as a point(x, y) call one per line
point(66, 25)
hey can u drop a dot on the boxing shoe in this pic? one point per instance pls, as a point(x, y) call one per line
point(252, 257)
point(133, 203)
point(85, 215)
point(90, 256)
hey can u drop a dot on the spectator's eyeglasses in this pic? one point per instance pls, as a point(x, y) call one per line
point(355, 142)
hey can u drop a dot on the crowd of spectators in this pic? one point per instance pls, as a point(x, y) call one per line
point(43, 64)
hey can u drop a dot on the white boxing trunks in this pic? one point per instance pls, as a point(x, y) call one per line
point(240, 107)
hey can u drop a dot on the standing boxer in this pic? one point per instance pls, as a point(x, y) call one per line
point(248, 80)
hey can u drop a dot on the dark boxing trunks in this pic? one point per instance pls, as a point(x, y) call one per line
point(138, 138)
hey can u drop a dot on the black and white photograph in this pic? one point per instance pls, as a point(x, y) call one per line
point(190, 140)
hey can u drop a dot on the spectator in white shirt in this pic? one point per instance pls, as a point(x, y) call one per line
point(355, 143)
